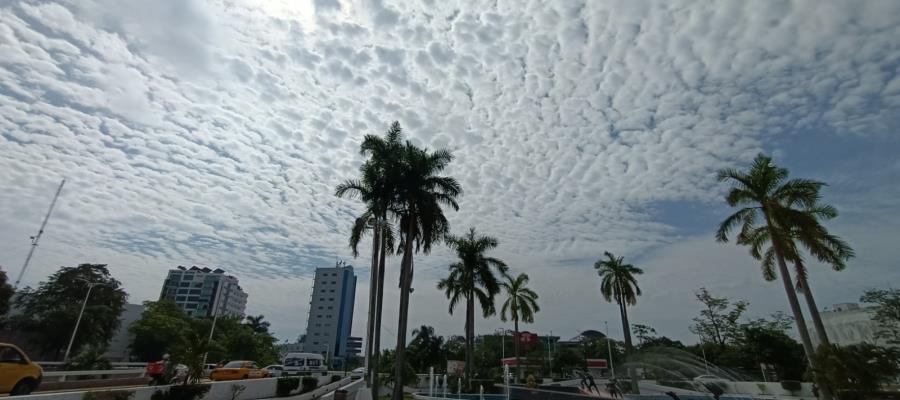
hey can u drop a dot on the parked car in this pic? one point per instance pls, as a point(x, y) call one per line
point(238, 370)
point(18, 375)
point(208, 368)
point(275, 371)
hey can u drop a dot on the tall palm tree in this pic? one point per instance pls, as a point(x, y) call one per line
point(618, 283)
point(827, 248)
point(788, 212)
point(472, 278)
point(421, 195)
point(376, 189)
point(520, 305)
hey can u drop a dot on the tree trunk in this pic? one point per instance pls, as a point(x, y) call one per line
point(629, 349)
point(373, 288)
point(402, 318)
point(814, 312)
point(518, 360)
point(470, 335)
point(376, 330)
point(795, 304)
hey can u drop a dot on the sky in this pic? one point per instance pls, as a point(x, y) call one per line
point(213, 133)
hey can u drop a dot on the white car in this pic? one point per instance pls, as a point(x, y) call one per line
point(709, 378)
point(358, 373)
point(275, 371)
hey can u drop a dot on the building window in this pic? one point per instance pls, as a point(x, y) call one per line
point(184, 284)
point(330, 307)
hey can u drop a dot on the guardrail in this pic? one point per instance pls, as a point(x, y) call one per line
point(61, 376)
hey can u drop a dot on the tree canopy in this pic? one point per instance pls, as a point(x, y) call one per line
point(49, 312)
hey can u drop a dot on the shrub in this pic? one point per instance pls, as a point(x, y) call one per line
point(181, 392)
point(109, 395)
point(308, 384)
point(284, 386)
point(335, 378)
point(792, 386)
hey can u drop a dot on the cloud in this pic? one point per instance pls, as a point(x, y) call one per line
point(213, 134)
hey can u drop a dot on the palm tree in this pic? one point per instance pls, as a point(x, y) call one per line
point(420, 197)
point(472, 278)
point(256, 323)
point(377, 191)
point(520, 305)
point(618, 284)
point(788, 212)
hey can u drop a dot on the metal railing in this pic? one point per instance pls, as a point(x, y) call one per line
point(62, 376)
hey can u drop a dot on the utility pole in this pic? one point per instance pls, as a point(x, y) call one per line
point(36, 238)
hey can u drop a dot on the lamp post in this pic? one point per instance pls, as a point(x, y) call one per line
point(80, 314)
point(216, 307)
point(612, 368)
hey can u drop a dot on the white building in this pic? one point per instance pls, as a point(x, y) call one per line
point(849, 323)
point(331, 314)
point(196, 291)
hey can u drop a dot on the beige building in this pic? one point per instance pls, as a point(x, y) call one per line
point(850, 323)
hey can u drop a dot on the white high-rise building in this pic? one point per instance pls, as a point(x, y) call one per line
point(196, 291)
point(331, 314)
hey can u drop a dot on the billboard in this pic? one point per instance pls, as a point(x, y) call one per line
point(456, 367)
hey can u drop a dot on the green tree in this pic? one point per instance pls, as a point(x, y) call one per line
point(233, 340)
point(618, 283)
point(763, 345)
point(643, 333)
point(89, 357)
point(775, 215)
point(377, 189)
point(161, 326)
point(49, 313)
point(6, 293)
point(520, 305)
point(886, 313)
point(472, 278)
point(856, 371)
point(190, 351)
point(421, 195)
point(257, 323)
point(718, 322)
point(425, 350)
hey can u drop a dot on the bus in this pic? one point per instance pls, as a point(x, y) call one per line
point(303, 364)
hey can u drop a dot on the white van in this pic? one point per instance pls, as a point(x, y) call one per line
point(303, 364)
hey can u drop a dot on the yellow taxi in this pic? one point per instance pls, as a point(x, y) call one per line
point(18, 375)
point(238, 370)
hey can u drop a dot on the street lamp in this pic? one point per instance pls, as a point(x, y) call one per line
point(80, 314)
point(612, 369)
point(216, 307)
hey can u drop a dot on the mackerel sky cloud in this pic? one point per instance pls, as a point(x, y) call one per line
point(213, 133)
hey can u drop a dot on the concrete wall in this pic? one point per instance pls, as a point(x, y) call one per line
point(253, 389)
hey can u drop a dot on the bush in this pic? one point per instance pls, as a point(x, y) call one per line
point(792, 386)
point(284, 386)
point(181, 392)
point(308, 384)
point(109, 395)
point(335, 378)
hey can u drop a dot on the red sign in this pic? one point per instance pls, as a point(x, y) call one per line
point(597, 363)
point(528, 338)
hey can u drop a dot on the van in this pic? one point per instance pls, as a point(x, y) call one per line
point(303, 364)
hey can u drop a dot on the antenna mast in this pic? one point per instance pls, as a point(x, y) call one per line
point(36, 238)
